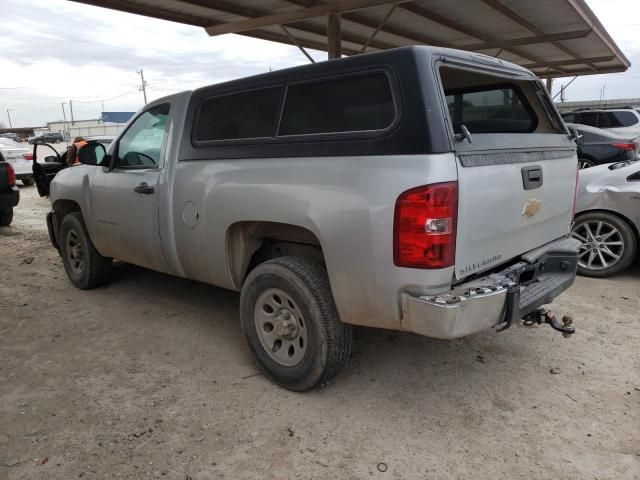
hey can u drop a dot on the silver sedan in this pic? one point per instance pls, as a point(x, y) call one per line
point(607, 218)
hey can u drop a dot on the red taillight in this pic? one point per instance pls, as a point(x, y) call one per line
point(27, 156)
point(627, 147)
point(11, 175)
point(424, 226)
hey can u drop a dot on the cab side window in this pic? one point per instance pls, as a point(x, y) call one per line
point(141, 144)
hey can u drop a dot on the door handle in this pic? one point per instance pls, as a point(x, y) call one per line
point(531, 177)
point(143, 188)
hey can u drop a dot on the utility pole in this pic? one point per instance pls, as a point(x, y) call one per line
point(562, 96)
point(71, 108)
point(64, 116)
point(144, 85)
point(9, 117)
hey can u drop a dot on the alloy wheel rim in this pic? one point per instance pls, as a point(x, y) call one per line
point(280, 326)
point(602, 244)
point(75, 252)
point(585, 164)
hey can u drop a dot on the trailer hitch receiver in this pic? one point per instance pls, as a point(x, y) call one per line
point(540, 316)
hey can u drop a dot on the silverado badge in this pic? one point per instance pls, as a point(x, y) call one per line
point(531, 207)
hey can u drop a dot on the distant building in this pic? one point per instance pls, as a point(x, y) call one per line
point(109, 123)
point(61, 127)
point(610, 103)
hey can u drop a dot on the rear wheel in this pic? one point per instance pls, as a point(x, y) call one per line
point(85, 267)
point(585, 163)
point(28, 181)
point(291, 324)
point(6, 217)
point(608, 244)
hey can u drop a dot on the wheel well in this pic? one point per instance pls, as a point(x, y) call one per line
point(615, 214)
point(61, 209)
point(250, 243)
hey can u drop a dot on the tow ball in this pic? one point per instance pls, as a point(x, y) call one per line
point(541, 316)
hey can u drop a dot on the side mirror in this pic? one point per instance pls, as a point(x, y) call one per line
point(50, 159)
point(92, 154)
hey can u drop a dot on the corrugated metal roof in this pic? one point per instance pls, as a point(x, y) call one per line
point(551, 37)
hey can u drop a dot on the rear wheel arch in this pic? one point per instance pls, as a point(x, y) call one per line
point(250, 243)
point(625, 219)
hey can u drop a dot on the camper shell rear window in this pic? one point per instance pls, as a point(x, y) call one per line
point(498, 108)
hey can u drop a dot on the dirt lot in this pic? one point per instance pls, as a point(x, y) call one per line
point(149, 377)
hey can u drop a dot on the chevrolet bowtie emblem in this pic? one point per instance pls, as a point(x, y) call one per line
point(531, 207)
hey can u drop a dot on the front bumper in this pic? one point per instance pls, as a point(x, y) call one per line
point(9, 198)
point(499, 298)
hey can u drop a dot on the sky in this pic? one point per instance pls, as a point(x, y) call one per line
point(55, 51)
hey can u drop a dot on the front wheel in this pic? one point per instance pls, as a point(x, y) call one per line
point(85, 267)
point(27, 181)
point(291, 323)
point(608, 244)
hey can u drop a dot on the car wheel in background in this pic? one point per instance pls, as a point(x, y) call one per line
point(291, 323)
point(85, 267)
point(585, 163)
point(28, 181)
point(6, 217)
point(609, 244)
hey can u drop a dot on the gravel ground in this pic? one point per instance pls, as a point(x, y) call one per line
point(150, 377)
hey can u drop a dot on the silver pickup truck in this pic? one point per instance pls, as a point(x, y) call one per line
point(420, 189)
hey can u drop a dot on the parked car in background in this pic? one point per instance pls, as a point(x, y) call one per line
point(9, 193)
point(607, 218)
point(20, 158)
point(623, 121)
point(597, 146)
point(12, 136)
point(53, 137)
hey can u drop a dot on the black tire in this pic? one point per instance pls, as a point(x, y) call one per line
point(27, 181)
point(85, 267)
point(586, 163)
point(328, 340)
point(6, 217)
point(626, 236)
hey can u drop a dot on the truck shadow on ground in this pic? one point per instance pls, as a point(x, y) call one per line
point(385, 358)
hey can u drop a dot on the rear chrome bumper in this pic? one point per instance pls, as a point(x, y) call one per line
point(499, 298)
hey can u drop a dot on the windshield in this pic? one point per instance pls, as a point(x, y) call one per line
point(8, 143)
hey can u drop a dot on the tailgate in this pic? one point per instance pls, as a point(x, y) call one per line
point(517, 166)
point(511, 202)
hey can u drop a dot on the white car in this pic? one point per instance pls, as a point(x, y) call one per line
point(623, 121)
point(21, 159)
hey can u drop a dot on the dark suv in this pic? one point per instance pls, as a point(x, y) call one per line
point(53, 137)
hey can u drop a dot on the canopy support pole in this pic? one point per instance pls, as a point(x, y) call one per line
point(334, 36)
point(297, 44)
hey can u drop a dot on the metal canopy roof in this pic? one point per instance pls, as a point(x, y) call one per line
point(553, 38)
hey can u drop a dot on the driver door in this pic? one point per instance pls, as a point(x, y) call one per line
point(125, 200)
